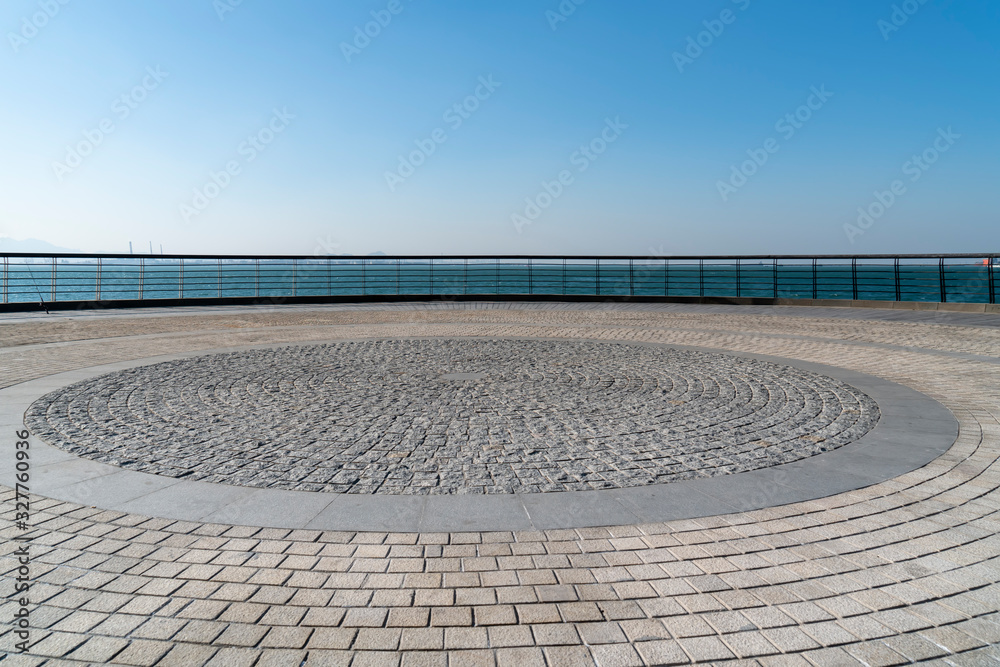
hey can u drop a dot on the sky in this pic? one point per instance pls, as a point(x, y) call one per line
point(687, 127)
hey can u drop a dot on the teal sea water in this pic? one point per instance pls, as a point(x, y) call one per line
point(963, 281)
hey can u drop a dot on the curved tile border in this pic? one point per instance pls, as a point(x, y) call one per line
point(912, 431)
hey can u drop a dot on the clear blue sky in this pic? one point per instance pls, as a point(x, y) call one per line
point(330, 180)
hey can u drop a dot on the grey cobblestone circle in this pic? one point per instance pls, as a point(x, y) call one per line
point(453, 416)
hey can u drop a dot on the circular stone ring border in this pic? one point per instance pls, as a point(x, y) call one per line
point(913, 430)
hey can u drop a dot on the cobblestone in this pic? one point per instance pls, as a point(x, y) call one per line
point(411, 417)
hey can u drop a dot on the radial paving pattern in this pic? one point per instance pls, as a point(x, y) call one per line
point(904, 571)
point(454, 416)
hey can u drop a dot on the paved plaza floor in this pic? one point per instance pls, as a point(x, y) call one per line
point(475, 483)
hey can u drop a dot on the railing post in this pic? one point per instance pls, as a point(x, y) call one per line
point(496, 274)
point(295, 276)
point(666, 277)
point(701, 277)
point(180, 281)
point(218, 263)
point(531, 285)
point(432, 276)
point(256, 277)
point(774, 277)
point(991, 278)
point(329, 277)
point(598, 276)
point(737, 277)
point(564, 276)
point(398, 261)
point(142, 276)
point(944, 289)
point(53, 298)
point(815, 280)
point(6, 261)
point(631, 278)
point(364, 277)
point(854, 277)
point(465, 275)
point(895, 272)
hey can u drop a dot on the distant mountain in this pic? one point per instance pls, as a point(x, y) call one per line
point(8, 244)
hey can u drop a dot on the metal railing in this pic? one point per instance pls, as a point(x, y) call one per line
point(51, 279)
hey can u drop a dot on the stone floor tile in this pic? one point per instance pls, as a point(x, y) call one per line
point(687, 626)
point(601, 633)
point(57, 644)
point(315, 617)
point(520, 657)
point(330, 658)
point(789, 640)
point(422, 639)
point(143, 652)
point(616, 655)
point(377, 639)
point(451, 616)
point(159, 628)
point(952, 639)
point(915, 647)
point(79, 621)
point(234, 657)
point(280, 658)
point(332, 638)
point(622, 610)
point(555, 634)
point(184, 655)
point(505, 636)
point(239, 634)
point(426, 659)
point(199, 632)
point(365, 618)
point(750, 644)
point(538, 613)
point(705, 648)
point(567, 656)
point(832, 657)
point(286, 638)
point(457, 638)
point(876, 654)
point(662, 652)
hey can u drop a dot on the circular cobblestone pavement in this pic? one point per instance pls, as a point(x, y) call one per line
point(446, 416)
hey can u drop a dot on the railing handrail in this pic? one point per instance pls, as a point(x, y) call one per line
point(692, 258)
